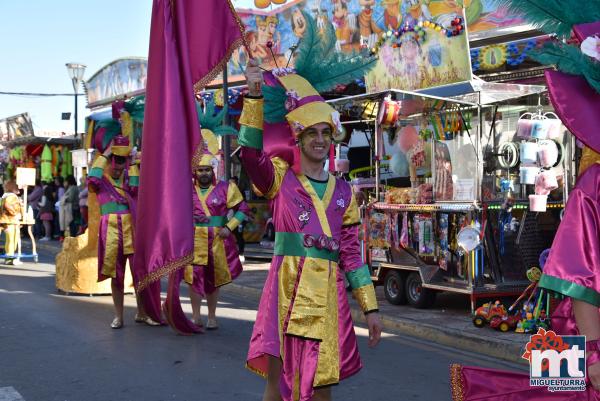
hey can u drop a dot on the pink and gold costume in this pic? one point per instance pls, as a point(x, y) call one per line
point(116, 198)
point(304, 316)
point(216, 259)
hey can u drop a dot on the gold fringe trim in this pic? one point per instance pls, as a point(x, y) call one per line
point(198, 86)
point(241, 27)
point(197, 156)
point(456, 383)
point(165, 270)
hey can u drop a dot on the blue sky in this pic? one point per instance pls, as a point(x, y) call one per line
point(40, 36)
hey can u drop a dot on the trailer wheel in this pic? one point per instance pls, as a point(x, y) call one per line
point(394, 288)
point(419, 297)
point(504, 327)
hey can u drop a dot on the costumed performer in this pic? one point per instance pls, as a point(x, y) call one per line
point(303, 339)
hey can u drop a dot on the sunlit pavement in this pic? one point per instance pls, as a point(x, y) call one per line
point(58, 347)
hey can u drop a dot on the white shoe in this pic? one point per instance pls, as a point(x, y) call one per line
point(17, 262)
point(211, 324)
point(116, 323)
point(44, 239)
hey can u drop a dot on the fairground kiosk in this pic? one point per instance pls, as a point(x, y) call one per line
point(470, 191)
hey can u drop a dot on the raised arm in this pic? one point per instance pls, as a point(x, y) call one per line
point(97, 171)
point(134, 179)
point(256, 162)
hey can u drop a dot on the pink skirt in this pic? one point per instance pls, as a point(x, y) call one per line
point(46, 216)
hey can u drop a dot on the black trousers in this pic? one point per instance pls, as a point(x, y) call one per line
point(239, 236)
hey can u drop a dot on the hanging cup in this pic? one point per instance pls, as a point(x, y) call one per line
point(547, 153)
point(524, 128)
point(537, 203)
point(539, 129)
point(528, 152)
point(528, 174)
point(545, 182)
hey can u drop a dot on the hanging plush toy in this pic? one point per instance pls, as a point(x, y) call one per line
point(46, 165)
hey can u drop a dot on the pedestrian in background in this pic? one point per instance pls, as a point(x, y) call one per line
point(83, 208)
point(10, 216)
point(46, 205)
point(68, 203)
point(33, 200)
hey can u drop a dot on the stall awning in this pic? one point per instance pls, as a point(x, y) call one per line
point(486, 93)
point(52, 139)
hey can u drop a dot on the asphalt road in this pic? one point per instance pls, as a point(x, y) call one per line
point(58, 347)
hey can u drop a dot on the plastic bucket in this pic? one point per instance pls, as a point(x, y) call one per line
point(545, 182)
point(528, 174)
point(554, 128)
point(539, 129)
point(528, 152)
point(537, 203)
point(524, 128)
point(547, 153)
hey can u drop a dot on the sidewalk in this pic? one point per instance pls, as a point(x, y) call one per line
point(448, 322)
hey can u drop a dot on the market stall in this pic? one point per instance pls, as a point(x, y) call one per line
point(463, 190)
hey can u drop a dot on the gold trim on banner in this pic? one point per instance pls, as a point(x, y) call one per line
point(456, 384)
point(164, 270)
point(212, 74)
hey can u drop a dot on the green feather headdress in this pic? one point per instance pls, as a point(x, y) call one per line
point(559, 17)
point(214, 122)
point(571, 60)
point(112, 128)
point(320, 64)
point(555, 16)
point(135, 108)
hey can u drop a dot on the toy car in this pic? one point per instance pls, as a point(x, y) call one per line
point(486, 313)
point(504, 323)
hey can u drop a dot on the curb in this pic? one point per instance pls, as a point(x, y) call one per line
point(441, 335)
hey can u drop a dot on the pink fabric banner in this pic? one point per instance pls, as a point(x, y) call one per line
point(190, 41)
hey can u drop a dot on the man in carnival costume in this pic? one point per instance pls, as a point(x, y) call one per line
point(115, 183)
point(216, 257)
point(572, 270)
point(303, 340)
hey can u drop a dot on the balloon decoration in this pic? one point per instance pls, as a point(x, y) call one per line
point(418, 33)
point(390, 110)
point(267, 3)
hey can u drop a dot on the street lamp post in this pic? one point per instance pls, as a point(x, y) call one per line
point(76, 71)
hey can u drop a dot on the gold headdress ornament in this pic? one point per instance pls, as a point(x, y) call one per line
point(210, 149)
point(212, 126)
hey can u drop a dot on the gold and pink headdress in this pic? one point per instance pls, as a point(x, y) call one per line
point(207, 151)
point(292, 94)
